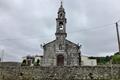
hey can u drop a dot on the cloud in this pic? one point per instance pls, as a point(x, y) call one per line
point(25, 24)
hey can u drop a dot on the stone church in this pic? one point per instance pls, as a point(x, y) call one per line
point(61, 52)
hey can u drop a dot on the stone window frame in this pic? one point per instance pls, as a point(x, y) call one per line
point(60, 47)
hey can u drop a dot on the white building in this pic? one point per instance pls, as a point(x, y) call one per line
point(28, 60)
point(85, 61)
point(32, 60)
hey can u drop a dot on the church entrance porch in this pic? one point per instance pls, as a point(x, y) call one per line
point(60, 60)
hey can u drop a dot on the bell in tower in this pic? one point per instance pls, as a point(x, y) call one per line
point(61, 23)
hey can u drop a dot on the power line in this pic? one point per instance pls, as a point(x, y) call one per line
point(9, 39)
point(93, 28)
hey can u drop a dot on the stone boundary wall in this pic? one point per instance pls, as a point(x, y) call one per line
point(60, 73)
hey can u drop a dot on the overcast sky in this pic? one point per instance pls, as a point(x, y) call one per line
point(25, 24)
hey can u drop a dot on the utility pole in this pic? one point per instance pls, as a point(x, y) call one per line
point(117, 29)
point(2, 55)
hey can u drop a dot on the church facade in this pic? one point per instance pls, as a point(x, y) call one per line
point(61, 52)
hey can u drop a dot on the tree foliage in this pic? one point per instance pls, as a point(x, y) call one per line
point(102, 60)
point(107, 59)
point(116, 58)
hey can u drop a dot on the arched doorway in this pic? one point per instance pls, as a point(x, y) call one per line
point(60, 60)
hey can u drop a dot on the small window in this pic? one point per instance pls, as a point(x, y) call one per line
point(61, 16)
point(60, 47)
point(61, 23)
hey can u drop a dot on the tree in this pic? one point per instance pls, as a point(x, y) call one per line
point(101, 60)
point(116, 59)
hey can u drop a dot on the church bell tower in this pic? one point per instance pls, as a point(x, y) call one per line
point(61, 24)
point(61, 51)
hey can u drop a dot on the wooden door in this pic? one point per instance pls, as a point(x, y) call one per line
point(60, 60)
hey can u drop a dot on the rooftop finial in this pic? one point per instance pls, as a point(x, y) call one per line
point(61, 6)
point(61, 3)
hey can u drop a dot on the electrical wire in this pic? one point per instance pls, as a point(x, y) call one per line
point(94, 28)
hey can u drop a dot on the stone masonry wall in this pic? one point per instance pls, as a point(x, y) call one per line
point(60, 73)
